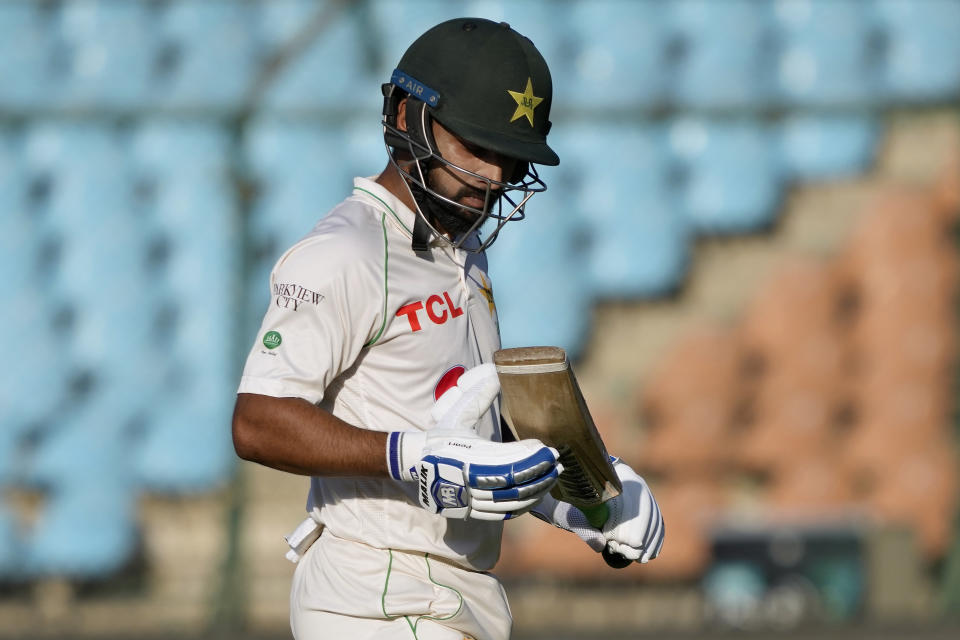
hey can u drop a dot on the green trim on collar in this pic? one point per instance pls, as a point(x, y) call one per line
point(381, 201)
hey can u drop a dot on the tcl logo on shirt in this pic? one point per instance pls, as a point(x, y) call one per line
point(438, 308)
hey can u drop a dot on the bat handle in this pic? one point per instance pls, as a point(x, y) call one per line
point(597, 517)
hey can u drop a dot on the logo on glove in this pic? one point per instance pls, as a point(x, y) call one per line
point(448, 495)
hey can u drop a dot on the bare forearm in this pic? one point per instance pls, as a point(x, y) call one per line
point(293, 435)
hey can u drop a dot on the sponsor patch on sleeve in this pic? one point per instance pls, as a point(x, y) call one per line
point(294, 296)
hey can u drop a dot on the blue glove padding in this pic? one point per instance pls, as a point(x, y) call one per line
point(461, 475)
point(455, 488)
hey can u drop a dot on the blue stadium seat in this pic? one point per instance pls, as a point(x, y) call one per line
point(90, 441)
point(274, 148)
point(725, 53)
point(825, 53)
point(163, 148)
point(84, 531)
point(637, 235)
point(396, 24)
point(9, 459)
point(538, 274)
point(85, 167)
point(732, 180)
point(816, 147)
point(188, 447)
point(207, 54)
point(619, 52)
point(17, 255)
point(25, 56)
point(108, 54)
point(301, 173)
point(333, 71)
point(13, 185)
point(923, 49)
point(545, 22)
point(40, 363)
point(11, 543)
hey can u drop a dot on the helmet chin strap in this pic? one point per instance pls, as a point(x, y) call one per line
point(421, 231)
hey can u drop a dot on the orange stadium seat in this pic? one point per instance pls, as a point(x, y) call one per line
point(919, 405)
point(913, 339)
point(817, 485)
point(798, 300)
point(900, 224)
point(793, 419)
point(946, 191)
point(919, 489)
point(688, 402)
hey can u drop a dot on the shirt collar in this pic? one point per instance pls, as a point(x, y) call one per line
point(398, 213)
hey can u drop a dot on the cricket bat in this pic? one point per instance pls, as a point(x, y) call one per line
point(541, 399)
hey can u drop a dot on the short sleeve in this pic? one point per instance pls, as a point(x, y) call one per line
point(326, 301)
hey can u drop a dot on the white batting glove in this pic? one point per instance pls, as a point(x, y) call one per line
point(462, 475)
point(634, 529)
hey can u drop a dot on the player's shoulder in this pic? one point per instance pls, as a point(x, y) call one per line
point(347, 238)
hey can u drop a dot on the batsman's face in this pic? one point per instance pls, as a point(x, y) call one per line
point(461, 187)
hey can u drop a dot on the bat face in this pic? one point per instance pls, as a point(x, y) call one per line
point(541, 399)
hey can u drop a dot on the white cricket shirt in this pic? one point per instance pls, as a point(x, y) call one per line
point(372, 332)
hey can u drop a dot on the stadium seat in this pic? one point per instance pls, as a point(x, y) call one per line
point(826, 147)
point(107, 54)
point(922, 60)
point(538, 276)
point(396, 24)
point(725, 54)
point(302, 170)
point(637, 243)
point(791, 422)
point(41, 365)
point(84, 531)
point(11, 543)
point(334, 70)
point(91, 442)
point(9, 455)
point(824, 57)
point(545, 22)
point(618, 50)
point(206, 54)
point(918, 488)
point(165, 148)
point(84, 166)
point(796, 305)
point(18, 255)
point(731, 179)
point(188, 448)
point(25, 57)
point(13, 185)
point(688, 403)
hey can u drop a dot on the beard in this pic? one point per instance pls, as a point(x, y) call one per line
point(446, 217)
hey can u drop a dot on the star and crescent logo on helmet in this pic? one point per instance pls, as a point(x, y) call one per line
point(526, 102)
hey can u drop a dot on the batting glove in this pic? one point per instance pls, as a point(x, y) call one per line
point(462, 475)
point(634, 529)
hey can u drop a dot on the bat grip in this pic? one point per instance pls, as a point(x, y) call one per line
point(597, 517)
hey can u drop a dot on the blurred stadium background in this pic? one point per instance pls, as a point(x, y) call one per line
point(750, 246)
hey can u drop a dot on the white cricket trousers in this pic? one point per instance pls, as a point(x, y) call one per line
point(347, 590)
